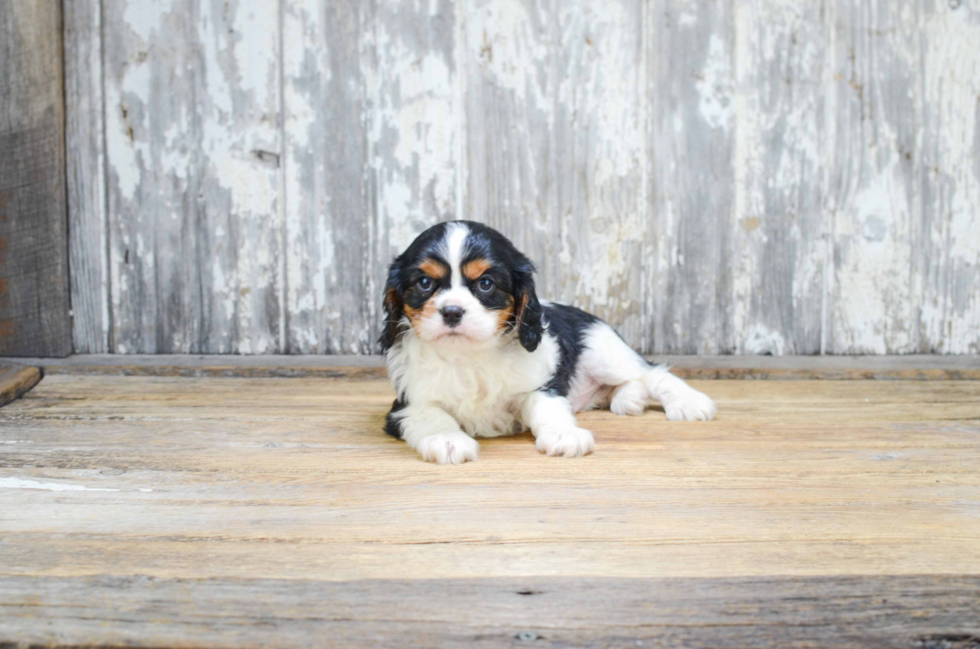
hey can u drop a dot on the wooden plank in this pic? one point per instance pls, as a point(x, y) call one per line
point(276, 478)
point(506, 53)
point(779, 231)
point(873, 191)
point(947, 244)
point(922, 367)
point(85, 134)
point(415, 120)
point(193, 143)
point(330, 208)
point(690, 93)
point(600, 159)
point(34, 300)
point(920, 611)
point(244, 512)
point(16, 380)
point(554, 145)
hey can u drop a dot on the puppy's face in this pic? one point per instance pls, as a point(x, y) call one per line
point(461, 283)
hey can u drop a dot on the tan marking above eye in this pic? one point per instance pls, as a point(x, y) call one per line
point(433, 268)
point(475, 268)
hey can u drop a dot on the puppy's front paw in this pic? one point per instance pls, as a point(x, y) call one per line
point(448, 448)
point(566, 442)
point(690, 405)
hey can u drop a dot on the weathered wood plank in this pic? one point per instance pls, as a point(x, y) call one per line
point(707, 184)
point(554, 142)
point(260, 478)
point(507, 54)
point(415, 137)
point(192, 109)
point(34, 295)
point(918, 367)
point(600, 159)
point(16, 380)
point(84, 131)
point(690, 90)
point(779, 233)
point(873, 193)
point(330, 206)
point(948, 242)
point(244, 512)
point(922, 612)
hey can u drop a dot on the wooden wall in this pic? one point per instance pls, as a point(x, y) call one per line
point(713, 176)
point(34, 301)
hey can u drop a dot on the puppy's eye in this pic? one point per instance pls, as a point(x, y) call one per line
point(485, 284)
point(425, 283)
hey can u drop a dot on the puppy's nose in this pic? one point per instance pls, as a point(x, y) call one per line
point(451, 315)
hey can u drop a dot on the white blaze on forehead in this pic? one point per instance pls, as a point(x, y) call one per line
point(456, 234)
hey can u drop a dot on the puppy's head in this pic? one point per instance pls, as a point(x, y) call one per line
point(462, 283)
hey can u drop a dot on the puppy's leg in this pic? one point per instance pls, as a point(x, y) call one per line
point(432, 432)
point(630, 398)
point(610, 361)
point(680, 401)
point(554, 427)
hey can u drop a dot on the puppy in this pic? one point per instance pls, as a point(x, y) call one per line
point(472, 352)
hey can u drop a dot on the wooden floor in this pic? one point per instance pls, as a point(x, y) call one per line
point(164, 511)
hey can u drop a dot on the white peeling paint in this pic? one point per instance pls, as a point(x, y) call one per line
point(784, 177)
point(714, 85)
point(18, 483)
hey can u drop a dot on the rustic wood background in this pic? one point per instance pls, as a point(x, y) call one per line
point(780, 176)
point(34, 300)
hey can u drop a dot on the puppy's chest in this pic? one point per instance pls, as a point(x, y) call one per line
point(483, 395)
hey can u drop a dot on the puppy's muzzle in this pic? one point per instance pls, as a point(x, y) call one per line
point(451, 315)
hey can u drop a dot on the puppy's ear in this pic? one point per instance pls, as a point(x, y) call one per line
point(527, 309)
point(394, 308)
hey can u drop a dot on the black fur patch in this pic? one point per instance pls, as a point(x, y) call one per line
point(393, 425)
point(568, 325)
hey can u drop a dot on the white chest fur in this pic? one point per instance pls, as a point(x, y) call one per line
point(482, 387)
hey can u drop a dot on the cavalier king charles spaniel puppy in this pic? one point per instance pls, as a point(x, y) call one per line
point(472, 352)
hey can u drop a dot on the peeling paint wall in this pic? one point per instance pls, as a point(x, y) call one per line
point(711, 176)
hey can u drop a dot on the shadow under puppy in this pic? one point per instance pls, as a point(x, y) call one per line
point(472, 352)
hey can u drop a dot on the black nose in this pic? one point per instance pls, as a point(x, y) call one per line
point(451, 315)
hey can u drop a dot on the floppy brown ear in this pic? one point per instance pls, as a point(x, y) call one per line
point(527, 309)
point(394, 309)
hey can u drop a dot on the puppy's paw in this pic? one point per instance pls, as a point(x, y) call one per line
point(690, 405)
point(566, 442)
point(629, 399)
point(448, 448)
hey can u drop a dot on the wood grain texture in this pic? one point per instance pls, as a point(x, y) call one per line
point(690, 93)
point(779, 232)
point(506, 52)
point(84, 129)
point(835, 368)
point(415, 131)
point(34, 300)
point(946, 241)
point(902, 612)
point(16, 380)
point(873, 194)
point(193, 140)
point(330, 190)
point(600, 159)
point(224, 512)
point(278, 478)
point(711, 176)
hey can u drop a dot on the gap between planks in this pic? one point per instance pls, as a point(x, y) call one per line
point(913, 367)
